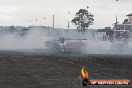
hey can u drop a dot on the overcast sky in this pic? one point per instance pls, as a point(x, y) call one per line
point(25, 12)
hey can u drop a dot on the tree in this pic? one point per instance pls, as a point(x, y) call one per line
point(83, 19)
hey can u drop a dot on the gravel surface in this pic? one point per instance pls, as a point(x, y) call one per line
point(39, 70)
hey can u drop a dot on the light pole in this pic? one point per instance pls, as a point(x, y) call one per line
point(68, 24)
point(53, 20)
point(116, 14)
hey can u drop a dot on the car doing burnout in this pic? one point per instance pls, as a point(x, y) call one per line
point(74, 45)
point(67, 45)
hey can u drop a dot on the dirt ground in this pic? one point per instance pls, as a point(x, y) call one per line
point(29, 70)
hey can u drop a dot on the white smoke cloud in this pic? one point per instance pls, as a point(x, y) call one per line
point(34, 39)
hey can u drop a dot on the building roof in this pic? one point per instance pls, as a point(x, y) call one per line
point(129, 14)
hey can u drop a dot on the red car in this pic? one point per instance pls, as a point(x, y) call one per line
point(74, 46)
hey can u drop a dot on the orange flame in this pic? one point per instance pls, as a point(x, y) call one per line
point(84, 73)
